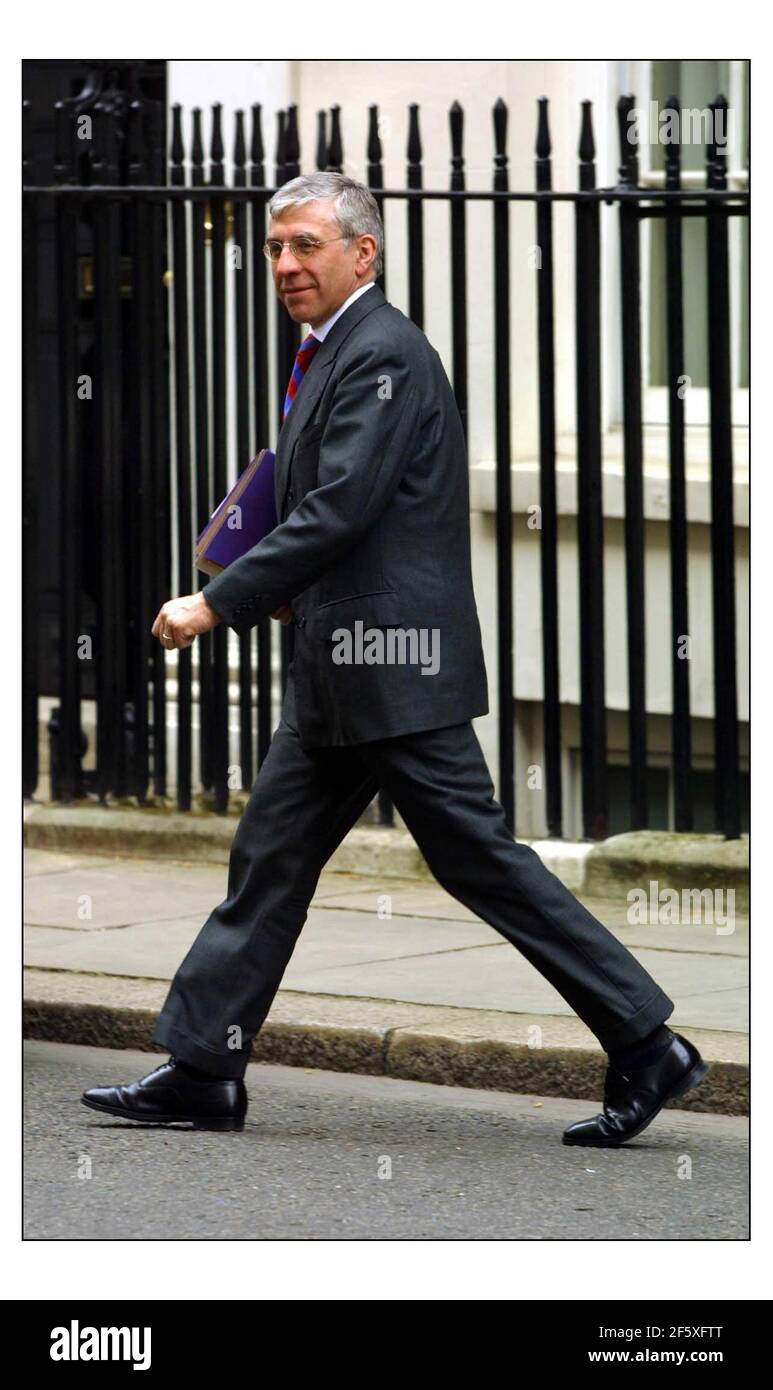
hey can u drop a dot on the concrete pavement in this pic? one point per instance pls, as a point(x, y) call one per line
point(390, 977)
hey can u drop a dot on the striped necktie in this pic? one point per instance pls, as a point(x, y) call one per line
point(303, 359)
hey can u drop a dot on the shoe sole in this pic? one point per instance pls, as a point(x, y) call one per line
point(691, 1078)
point(229, 1122)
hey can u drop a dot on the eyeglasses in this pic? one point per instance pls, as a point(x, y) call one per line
point(300, 246)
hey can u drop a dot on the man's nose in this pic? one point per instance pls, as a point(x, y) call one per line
point(286, 262)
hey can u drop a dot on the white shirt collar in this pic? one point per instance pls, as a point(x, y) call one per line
point(324, 328)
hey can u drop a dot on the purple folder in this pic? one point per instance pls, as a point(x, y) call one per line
point(243, 518)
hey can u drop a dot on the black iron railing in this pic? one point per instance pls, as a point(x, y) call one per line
point(157, 424)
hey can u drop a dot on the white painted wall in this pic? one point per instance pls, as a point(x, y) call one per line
point(237, 84)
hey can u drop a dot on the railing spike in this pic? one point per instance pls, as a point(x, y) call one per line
point(628, 172)
point(216, 146)
point(240, 148)
point(542, 146)
point(587, 145)
point(257, 152)
point(456, 126)
point(335, 150)
point(374, 150)
point(292, 143)
point(197, 139)
point(321, 155)
point(177, 147)
point(414, 151)
point(500, 114)
point(279, 158)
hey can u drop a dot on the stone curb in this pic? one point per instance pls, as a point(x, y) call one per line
point(443, 1046)
point(203, 837)
point(608, 869)
point(682, 862)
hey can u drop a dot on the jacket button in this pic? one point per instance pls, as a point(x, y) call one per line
point(301, 622)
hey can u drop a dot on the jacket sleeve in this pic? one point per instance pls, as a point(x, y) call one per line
point(364, 450)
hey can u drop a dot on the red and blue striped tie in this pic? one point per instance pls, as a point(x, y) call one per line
point(303, 360)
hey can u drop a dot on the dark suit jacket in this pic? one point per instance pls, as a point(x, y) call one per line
point(372, 495)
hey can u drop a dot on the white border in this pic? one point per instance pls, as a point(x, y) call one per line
point(322, 1271)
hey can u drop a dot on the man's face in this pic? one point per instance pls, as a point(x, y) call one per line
point(313, 287)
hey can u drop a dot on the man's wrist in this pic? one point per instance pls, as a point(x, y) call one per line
point(211, 607)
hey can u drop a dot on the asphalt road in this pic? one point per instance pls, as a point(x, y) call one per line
point(326, 1155)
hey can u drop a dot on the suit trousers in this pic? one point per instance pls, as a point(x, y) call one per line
point(302, 804)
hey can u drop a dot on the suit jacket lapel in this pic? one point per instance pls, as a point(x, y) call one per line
point(312, 386)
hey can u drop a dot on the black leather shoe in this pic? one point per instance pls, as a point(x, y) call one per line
point(167, 1096)
point(632, 1099)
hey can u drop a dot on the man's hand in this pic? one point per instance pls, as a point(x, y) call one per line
point(181, 620)
point(284, 614)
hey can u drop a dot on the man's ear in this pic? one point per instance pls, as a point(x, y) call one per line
point(366, 240)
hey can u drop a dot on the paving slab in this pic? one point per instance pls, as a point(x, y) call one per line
point(89, 896)
point(495, 975)
point(329, 941)
point(44, 861)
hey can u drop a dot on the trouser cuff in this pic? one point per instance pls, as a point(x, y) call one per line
point(230, 1064)
point(656, 1010)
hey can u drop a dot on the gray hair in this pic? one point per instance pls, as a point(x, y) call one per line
point(355, 208)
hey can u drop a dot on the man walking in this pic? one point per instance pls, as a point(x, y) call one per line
point(372, 550)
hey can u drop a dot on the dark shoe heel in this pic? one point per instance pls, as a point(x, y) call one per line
point(231, 1122)
point(693, 1078)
